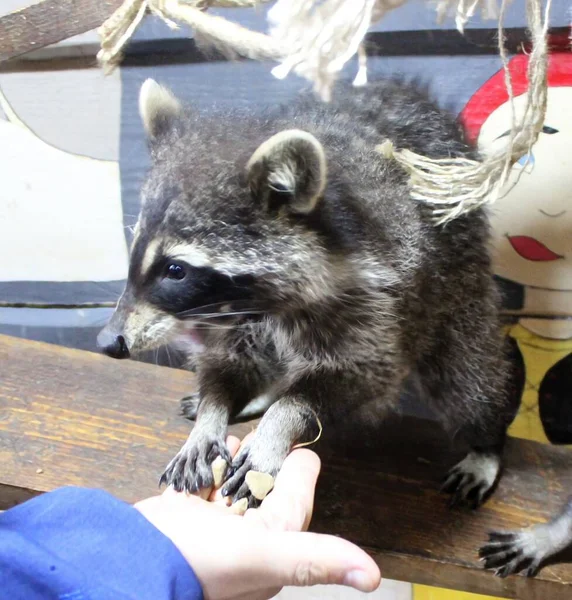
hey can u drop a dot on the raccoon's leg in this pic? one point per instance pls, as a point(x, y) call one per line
point(528, 549)
point(254, 409)
point(467, 382)
point(287, 422)
point(225, 388)
point(482, 424)
point(473, 480)
point(318, 398)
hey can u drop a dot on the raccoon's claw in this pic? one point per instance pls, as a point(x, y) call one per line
point(190, 406)
point(512, 552)
point(191, 469)
point(472, 480)
point(237, 483)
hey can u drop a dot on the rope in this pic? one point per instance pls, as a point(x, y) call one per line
point(316, 38)
point(218, 32)
point(455, 186)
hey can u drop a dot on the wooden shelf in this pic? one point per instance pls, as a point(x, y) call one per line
point(69, 417)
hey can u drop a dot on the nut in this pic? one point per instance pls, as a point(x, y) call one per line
point(239, 507)
point(259, 483)
point(219, 471)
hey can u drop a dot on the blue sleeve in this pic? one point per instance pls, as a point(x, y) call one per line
point(80, 544)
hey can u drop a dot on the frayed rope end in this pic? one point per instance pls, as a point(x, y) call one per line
point(450, 187)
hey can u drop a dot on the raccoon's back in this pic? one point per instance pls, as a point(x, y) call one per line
point(444, 269)
point(391, 108)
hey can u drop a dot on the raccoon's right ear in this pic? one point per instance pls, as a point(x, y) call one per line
point(158, 107)
point(290, 167)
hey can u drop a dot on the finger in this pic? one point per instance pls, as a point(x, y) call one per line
point(247, 438)
point(303, 559)
point(233, 444)
point(289, 506)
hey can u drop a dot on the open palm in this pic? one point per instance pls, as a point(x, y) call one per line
point(252, 556)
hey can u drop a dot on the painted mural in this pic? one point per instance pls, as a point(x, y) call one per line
point(72, 158)
point(532, 226)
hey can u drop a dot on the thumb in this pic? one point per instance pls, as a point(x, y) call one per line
point(303, 559)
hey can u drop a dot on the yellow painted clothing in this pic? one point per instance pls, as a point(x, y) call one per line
point(539, 356)
point(425, 592)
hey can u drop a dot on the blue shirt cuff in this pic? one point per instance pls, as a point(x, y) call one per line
point(75, 543)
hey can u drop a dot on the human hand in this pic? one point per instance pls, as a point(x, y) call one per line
point(251, 557)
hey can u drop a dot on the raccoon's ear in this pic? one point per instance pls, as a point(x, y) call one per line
point(158, 107)
point(290, 166)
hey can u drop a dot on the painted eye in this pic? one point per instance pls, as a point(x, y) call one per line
point(175, 271)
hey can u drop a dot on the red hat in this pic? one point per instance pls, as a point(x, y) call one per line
point(493, 93)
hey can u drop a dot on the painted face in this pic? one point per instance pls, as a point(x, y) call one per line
point(532, 222)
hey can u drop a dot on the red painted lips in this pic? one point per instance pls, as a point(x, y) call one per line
point(532, 249)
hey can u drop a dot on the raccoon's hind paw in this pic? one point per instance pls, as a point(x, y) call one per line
point(190, 406)
point(473, 479)
point(511, 552)
point(249, 478)
point(191, 469)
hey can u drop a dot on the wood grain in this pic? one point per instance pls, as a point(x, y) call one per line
point(49, 22)
point(83, 419)
point(184, 50)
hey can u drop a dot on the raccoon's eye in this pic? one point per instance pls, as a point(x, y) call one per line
point(175, 271)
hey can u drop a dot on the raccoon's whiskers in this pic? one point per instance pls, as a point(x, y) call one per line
point(227, 314)
point(200, 325)
point(168, 356)
point(200, 309)
point(207, 311)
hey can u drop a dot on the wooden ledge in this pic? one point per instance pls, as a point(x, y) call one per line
point(69, 417)
point(50, 21)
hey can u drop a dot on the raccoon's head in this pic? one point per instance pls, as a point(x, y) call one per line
point(229, 224)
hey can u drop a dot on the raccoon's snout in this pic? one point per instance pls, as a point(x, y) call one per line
point(112, 344)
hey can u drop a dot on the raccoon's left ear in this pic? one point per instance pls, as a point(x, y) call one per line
point(158, 107)
point(291, 167)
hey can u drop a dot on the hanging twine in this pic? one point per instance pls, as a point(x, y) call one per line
point(463, 10)
point(322, 37)
point(455, 186)
point(312, 38)
point(229, 38)
point(316, 38)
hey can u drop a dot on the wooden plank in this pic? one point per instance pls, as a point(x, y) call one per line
point(388, 502)
point(174, 51)
point(49, 22)
point(405, 31)
point(72, 417)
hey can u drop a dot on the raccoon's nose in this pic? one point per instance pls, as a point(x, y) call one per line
point(113, 345)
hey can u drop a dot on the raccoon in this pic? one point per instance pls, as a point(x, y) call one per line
point(286, 256)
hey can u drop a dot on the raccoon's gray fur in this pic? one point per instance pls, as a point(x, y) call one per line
point(291, 253)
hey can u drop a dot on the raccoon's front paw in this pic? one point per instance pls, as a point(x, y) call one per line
point(190, 406)
point(191, 469)
point(473, 479)
point(511, 552)
point(251, 474)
